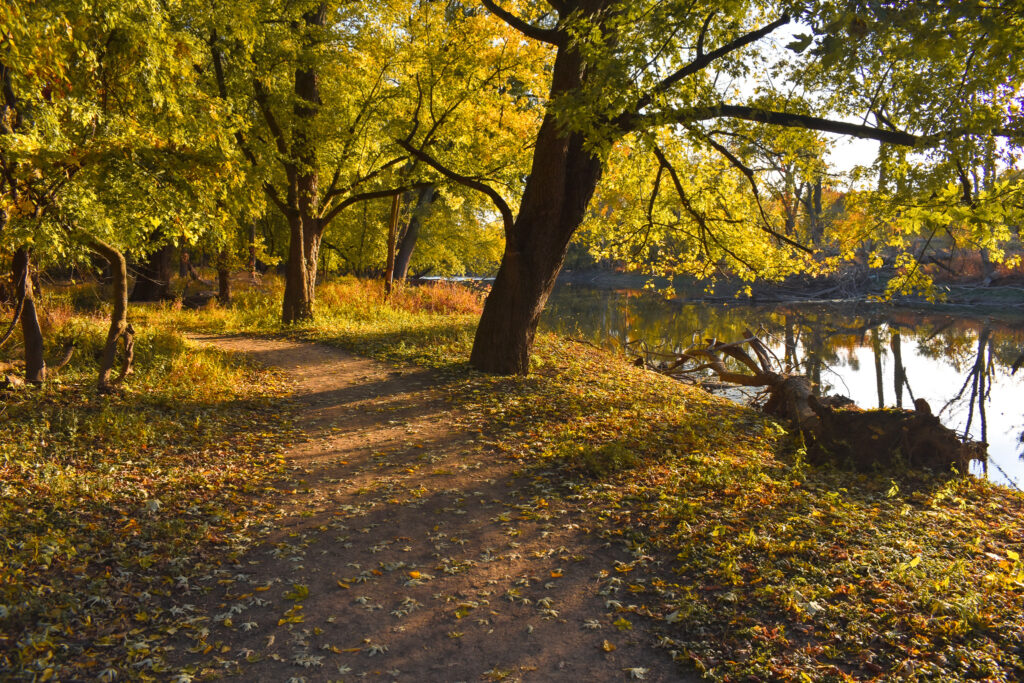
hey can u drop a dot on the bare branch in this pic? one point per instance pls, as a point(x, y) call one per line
point(369, 176)
point(367, 196)
point(715, 363)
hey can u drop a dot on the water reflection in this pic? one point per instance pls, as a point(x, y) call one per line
point(878, 356)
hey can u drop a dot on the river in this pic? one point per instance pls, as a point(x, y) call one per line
point(959, 359)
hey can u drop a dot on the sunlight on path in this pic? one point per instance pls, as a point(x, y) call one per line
point(405, 551)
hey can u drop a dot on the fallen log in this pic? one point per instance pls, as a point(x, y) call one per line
point(834, 429)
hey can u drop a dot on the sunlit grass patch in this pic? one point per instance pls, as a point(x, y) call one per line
point(432, 324)
point(105, 500)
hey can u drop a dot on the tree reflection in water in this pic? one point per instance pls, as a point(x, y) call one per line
point(959, 362)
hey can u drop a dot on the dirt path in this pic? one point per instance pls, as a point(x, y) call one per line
point(407, 552)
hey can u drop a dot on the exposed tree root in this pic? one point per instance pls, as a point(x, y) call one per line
point(835, 429)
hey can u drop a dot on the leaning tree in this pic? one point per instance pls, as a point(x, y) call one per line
point(932, 78)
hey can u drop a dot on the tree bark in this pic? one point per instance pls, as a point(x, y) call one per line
point(304, 187)
point(154, 280)
point(389, 267)
point(876, 347)
point(35, 365)
point(412, 232)
point(119, 326)
point(899, 373)
point(224, 286)
point(562, 181)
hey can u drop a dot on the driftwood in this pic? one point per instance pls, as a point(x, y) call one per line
point(834, 429)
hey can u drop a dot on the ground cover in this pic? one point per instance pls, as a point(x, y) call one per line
point(774, 568)
point(729, 553)
point(108, 504)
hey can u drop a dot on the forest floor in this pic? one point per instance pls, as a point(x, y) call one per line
point(406, 550)
point(366, 506)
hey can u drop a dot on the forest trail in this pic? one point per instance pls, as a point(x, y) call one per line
point(407, 551)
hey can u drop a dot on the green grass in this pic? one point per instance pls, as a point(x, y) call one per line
point(751, 564)
point(108, 502)
point(771, 569)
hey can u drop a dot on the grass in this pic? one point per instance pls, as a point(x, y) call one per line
point(109, 503)
point(771, 569)
point(750, 564)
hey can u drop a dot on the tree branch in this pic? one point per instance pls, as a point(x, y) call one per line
point(17, 308)
point(545, 35)
point(499, 202)
point(367, 196)
point(332, 192)
point(766, 227)
point(704, 59)
point(271, 193)
point(704, 34)
point(784, 119)
point(262, 99)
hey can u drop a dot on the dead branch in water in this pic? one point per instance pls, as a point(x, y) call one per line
point(835, 429)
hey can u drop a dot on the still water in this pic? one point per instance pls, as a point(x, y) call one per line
point(879, 356)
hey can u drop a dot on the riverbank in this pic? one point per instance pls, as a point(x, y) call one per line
point(733, 557)
point(951, 296)
point(746, 561)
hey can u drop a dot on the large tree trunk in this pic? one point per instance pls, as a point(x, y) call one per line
point(119, 327)
point(562, 181)
point(224, 278)
point(412, 232)
point(224, 286)
point(301, 271)
point(304, 195)
point(35, 365)
point(154, 280)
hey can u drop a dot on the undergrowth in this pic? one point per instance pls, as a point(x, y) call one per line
point(750, 564)
point(766, 568)
point(110, 504)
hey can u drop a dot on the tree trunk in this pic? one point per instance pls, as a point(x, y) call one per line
point(876, 348)
point(35, 365)
point(304, 193)
point(389, 267)
point(301, 271)
point(154, 280)
point(899, 373)
point(252, 252)
point(412, 232)
point(562, 181)
point(119, 326)
point(224, 286)
point(817, 220)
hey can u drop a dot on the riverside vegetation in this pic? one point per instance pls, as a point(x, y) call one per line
point(748, 563)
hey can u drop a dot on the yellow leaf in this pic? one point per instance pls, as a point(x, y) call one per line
point(607, 646)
